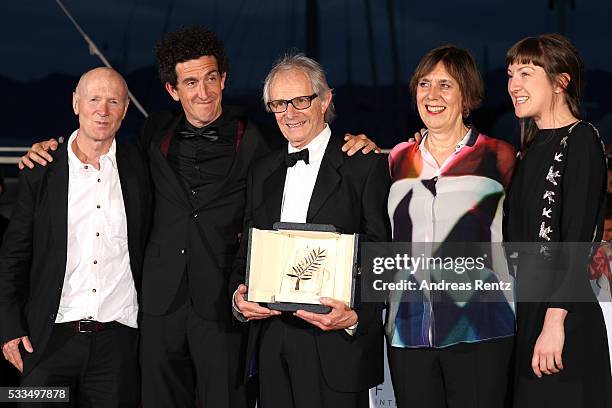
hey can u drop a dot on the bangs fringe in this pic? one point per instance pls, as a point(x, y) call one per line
point(525, 52)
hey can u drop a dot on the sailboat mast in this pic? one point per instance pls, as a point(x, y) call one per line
point(93, 50)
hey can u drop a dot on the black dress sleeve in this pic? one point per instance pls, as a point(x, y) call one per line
point(582, 196)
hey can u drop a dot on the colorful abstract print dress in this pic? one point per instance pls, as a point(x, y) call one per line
point(460, 201)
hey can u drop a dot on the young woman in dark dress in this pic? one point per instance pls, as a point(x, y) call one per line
point(556, 196)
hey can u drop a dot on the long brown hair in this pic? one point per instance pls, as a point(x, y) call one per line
point(556, 55)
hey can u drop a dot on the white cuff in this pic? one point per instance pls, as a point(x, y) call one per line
point(351, 330)
point(235, 311)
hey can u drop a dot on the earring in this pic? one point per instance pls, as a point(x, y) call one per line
point(557, 91)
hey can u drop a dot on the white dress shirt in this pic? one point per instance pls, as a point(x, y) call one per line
point(300, 182)
point(98, 284)
point(301, 179)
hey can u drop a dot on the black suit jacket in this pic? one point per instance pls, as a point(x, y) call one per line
point(33, 255)
point(350, 193)
point(201, 240)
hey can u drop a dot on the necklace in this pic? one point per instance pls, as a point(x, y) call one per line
point(442, 149)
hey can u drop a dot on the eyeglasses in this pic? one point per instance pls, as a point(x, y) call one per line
point(299, 103)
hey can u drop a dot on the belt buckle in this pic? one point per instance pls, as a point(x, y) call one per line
point(80, 330)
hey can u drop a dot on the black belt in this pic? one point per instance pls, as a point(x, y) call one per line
point(90, 326)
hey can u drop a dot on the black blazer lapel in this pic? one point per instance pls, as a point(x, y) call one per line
point(131, 199)
point(160, 166)
point(327, 179)
point(273, 188)
point(57, 179)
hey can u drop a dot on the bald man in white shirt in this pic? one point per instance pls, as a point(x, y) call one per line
point(71, 260)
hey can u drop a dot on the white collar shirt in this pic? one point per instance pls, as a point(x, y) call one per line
point(427, 208)
point(301, 179)
point(98, 283)
point(431, 163)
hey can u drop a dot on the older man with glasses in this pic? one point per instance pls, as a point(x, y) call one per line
point(307, 359)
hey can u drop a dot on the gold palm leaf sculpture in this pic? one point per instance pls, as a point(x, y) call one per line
point(306, 267)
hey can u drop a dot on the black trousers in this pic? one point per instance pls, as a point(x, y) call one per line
point(185, 358)
point(9, 375)
point(101, 368)
point(290, 374)
point(466, 375)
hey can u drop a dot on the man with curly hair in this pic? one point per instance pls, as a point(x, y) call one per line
point(198, 159)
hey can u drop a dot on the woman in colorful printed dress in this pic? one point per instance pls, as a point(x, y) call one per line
point(449, 187)
point(557, 195)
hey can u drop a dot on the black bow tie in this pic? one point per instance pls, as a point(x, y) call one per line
point(293, 158)
point(189, 132)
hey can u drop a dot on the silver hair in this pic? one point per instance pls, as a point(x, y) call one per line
point(308, 66)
